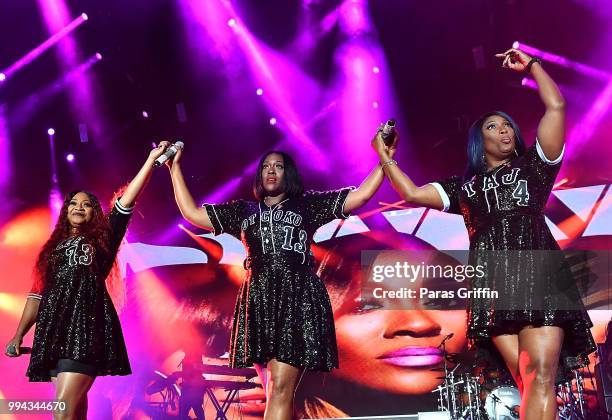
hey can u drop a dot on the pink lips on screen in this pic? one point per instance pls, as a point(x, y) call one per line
point(413, 356)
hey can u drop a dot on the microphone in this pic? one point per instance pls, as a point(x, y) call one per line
point(446, 338)
point(169, 154)
point(387, 132)
point(11, 351)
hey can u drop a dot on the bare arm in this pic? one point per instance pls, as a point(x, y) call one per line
point(426, 195)
point(28, 318)
point(194, 214)
point(360, 196)
point(551, 130)
point(141, 179)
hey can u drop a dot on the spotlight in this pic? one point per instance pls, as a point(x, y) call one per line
point(145, 114)
point(180, 225)
point(524, 81)
point(375, 105)
point(272, 121)
point(375, 69)
point(516, 44)
point(84, 16)
point(98, 56)
point(70, 157)
point(51, 132)
point(231, 22)
point(2, 77)
point(259, 92)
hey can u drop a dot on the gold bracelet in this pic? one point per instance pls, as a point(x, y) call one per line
point(387, 163)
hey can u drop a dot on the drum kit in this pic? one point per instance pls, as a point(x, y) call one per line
point(474, 389)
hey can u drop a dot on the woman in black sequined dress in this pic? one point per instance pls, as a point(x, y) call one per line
point(283, 320)
point(78, 335)
point(502, 198)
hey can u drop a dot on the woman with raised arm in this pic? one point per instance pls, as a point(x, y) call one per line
point(283, 321)
point(502, 197)
point(78, 335)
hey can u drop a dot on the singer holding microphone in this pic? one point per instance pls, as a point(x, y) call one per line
point(502, 197)
point(283, 322)
point(78, 336)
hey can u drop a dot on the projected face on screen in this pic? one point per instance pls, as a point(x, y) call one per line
point(394, 347)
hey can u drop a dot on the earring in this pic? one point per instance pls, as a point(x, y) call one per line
point(515, 151)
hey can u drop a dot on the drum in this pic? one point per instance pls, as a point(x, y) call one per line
point(502, 403)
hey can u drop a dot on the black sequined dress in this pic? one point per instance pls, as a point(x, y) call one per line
point(503, 211)
point(76, 317)
point(283, 310)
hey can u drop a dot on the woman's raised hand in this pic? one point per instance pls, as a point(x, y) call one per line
point(514, 59)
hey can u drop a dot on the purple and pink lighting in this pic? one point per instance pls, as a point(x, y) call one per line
point(61, 32)
point(82, 94)
point(70, 157)
point(563, 61)
point(259, 92)
point(273, 121)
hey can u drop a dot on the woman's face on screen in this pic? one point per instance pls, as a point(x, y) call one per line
point(391, 347)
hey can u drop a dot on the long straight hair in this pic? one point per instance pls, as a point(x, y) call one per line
point(292, 182)
point(475, 147)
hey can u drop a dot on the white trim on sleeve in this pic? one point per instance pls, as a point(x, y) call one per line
point(34, 296)
point(443, 195)
point(123, 210)
point(543, 156)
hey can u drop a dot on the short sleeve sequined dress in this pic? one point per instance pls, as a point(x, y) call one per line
point(503, 211)
point(76, 317)
point(283, 311)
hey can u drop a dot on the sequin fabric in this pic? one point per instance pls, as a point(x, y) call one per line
point(503, 210)
point(76, 317)
point(282, 311)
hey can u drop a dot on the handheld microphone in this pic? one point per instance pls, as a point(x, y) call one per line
point(169, 153)
point(387, 132)
point(447, 337)
point(11, 351)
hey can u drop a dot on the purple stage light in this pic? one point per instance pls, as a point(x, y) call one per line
point(530, 83)
point(2, 77)
point(259, 92)
point(5, 158)
point(55, 203)
point(70, 157)
point(231, 22)
point(61, 32)
point(51, 132)
point(375, 69)
point(565, 62)
point(516, 44)
point(98, 56)
point(273, 121)
point(375, 105)
point(585, 128)
point(83, 101)
point(27, 107)
point(145, 114)
point(354, 17)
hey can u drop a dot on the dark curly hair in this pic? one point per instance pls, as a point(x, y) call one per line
point(97, 230)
